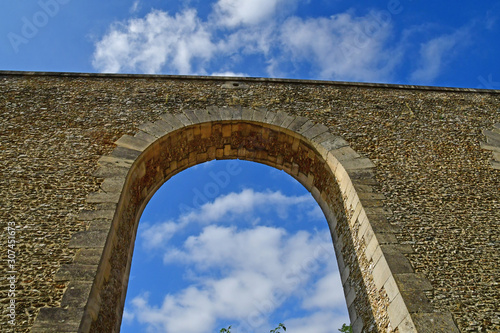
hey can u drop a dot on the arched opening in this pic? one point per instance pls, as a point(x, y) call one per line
point(371, 261)
point(233, 243)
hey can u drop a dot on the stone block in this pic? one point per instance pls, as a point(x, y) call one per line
point(114, 184)
point(287, 121)
point(381, 273)
point(111, 171)
point(397, 262)
point(172, 120)
point(278, 119)
point(185, 121)
point(297, 123)
point(145, 137)
point(270, 115)
point(490, 147)
point(407, 326)
point(305, 127)
point(214, 113)
point(259, 115)
point(225, 114)
point(130, 142)
point(397, 311)
point(99, 197)
point(493, 135)
point(358, 163)
point(88, 256)
point(202, 115)
point(314, 131)
point(236, 112)
point(416, 301)
point(125, 153)
point(86, 239)
point(115, 161)
point(391, 288)
point(434, 322)
point(58, 320)
point(76, 272)
point(351, 296)
point(152, 129)
point(76, 295)
point(191, 116)
point(101, 224)
point(353, 316)
point(357, 326)
point(334, 143)
point(89, 215)
point(371, 247)
point(246, 113)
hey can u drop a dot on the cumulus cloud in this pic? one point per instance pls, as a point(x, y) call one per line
point(342, 46)
point(248, 12)
point(265, 38)
point(323, 296)
point(245, 283)
point(435, 54)
point(319, 322)
point(155, 42)
point(226, 208)
point(156, 235)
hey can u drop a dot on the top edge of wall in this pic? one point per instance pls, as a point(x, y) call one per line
point(246, 79)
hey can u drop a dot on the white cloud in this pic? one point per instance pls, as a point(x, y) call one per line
point(135, 6)
point(319, 322)
point(343, 46)
point(248, 12)
point(157, 235)
point(245, 202)
point(229, 73)
point(242, 275)
point(226, 208)
point(156, 42)
point(324, 296)
point(436, 53)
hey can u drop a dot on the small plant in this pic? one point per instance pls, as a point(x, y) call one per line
point(276, 330)
point(345, 328)
point(225, 330)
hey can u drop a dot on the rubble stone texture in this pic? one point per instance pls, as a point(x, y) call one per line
point(437, 180)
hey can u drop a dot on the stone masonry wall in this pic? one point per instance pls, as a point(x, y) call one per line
point(425, 143)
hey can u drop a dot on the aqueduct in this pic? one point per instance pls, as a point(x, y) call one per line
point(371, 155)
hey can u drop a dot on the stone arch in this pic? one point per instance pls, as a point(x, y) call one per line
point(382, 291)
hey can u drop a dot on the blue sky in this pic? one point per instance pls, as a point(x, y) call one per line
point(443, 43)
point(244, 245)
point(183, 238)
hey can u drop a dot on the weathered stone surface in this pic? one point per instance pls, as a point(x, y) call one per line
point(437, 181)
point(58, 320)
point(433, 322)
point(76, 272)
point(85, 239)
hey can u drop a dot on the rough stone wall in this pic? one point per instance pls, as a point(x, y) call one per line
point(425, 143)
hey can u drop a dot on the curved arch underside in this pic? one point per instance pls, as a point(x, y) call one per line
point(382, 291)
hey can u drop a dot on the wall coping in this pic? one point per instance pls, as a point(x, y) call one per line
point(249, 79)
